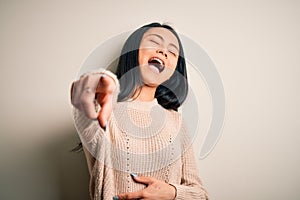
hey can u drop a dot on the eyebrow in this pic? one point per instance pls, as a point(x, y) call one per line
point(160, 37)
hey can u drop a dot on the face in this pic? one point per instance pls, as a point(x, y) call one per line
point(158, 56)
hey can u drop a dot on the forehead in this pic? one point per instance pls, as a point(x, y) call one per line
point(166, 34)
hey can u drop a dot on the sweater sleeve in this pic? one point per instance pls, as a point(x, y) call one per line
point(191, 186)
point(89, 130)
point(93, 138)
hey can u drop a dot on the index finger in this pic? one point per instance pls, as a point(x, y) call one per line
point(131, 195)
point(106, 84)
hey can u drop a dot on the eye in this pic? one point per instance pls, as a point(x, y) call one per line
point(153, 41)
point(173, 53)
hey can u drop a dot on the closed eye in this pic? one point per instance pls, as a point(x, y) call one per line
point(173, 53)
point(153, 41)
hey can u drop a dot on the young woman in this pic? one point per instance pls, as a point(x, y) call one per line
point(139, 148)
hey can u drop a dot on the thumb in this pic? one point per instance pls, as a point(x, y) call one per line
point(147, 180)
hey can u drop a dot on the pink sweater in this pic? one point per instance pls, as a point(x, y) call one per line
point(142, 138)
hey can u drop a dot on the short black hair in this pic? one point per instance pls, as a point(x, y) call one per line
point(170, 94)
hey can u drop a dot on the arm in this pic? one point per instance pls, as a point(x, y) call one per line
point(95, 94)
point(103, 85)
point(191, 185)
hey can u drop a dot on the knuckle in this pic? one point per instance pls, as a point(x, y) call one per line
point(89, 79)
point(85, 102)
point(75, 83)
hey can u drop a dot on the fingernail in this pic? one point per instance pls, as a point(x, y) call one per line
point(105, 126)
point(134, 175)
point(103, 75)
point(115, 198)
point(106, 123)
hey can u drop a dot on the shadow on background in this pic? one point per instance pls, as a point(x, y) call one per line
point(71, 167)
point(48, 171)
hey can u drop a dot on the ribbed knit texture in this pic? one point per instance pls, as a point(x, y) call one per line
point(142, 138)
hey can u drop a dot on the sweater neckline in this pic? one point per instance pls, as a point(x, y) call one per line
point(142, 105)
point(142, 119)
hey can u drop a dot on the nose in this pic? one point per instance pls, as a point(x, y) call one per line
point(162, 52)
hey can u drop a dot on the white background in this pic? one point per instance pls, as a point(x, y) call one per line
point(254, 44)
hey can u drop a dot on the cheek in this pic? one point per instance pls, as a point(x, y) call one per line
point(173, 64)
point(171, 68)
point(140, 57)
point(143, 56)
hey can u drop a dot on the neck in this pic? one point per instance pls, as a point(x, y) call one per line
point(145, 93)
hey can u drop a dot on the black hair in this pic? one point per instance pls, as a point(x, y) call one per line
point(170, 94)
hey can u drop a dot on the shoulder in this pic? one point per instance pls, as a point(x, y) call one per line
point(176, 119)
point(174, 115)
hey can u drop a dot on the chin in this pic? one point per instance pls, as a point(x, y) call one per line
point(151, 83)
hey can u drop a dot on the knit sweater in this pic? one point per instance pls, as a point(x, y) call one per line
point(143, 138)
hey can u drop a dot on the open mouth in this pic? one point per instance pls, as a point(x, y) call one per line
point(158, 63)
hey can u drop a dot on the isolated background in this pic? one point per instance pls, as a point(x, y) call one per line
point(254, 44)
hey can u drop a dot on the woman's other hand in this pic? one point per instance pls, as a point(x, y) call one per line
point(93, 95)
point(155, 189)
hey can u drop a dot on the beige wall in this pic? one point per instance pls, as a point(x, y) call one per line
point(254, 44)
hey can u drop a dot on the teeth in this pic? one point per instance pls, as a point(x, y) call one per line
point(158, 60)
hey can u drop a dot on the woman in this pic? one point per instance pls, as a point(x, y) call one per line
point(140, 148)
